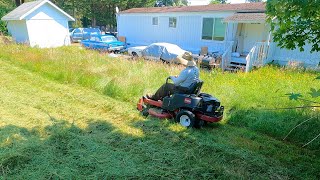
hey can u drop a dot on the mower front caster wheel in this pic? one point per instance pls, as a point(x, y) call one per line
point(186, 118)
point(145, 112)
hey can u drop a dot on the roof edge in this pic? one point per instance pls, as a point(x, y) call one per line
point(258, 6)
point(70, 18)
point(41, 4)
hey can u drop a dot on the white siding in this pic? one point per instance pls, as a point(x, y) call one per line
point(48, 27)
point(138, 30)
point(284, 56)
point(18, 30)
point(48, 33)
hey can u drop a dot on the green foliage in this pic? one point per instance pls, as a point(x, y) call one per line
point(254, 0)
point(181, 2)
point(314, 93)
point(5, 7)
point(218, 2)
point(99, 12)
point(295, 23)
point(294, 96)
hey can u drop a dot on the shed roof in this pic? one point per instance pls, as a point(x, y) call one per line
point(27, 8)
point(246, 17)
point(243, 7)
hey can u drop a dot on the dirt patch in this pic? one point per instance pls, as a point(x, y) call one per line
point(5, 40)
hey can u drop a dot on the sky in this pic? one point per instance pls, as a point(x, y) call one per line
point(205, 2)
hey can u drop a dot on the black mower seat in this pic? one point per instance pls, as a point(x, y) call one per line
point(194, 88)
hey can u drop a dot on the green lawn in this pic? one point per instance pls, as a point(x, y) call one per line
point(70, 113)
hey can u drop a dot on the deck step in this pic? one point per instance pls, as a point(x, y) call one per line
point(237, 65)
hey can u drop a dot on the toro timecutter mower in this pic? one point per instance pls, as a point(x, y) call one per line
point(190, 109)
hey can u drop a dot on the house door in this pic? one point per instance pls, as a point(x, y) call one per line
point(252, 33)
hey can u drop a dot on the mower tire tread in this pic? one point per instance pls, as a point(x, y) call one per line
point(186, 118)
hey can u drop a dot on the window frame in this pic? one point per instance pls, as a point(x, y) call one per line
point(153, 21)
point(213, 29)
point(175, 24)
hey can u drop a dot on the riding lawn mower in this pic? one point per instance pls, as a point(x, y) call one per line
point(190, 109)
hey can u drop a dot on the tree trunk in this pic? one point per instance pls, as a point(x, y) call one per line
point(19, 2)
point(93, 22)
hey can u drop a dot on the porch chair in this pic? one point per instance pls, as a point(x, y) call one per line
point(204, 51)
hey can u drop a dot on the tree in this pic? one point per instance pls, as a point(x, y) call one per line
point(98, 12)
point(253, 0)
point(180, 2)
point(19, 2)
point(160, 3)
point(5, 7)
point(295, 23)
point(218, 2)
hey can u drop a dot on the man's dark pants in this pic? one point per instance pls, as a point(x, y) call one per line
point(166, 90)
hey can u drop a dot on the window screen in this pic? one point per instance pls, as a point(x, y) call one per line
point(172, 22)
point(155, 21)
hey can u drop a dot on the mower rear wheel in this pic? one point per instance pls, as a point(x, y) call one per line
point(186, 118)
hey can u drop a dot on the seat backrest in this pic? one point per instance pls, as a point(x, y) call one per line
point(195, 87)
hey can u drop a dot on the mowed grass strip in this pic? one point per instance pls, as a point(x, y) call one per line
point(62, 130)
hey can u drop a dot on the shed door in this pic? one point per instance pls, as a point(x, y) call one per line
point(252, 33)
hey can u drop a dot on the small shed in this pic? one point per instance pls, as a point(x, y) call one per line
point(39, 23)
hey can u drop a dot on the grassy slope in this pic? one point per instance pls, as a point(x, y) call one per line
point(60, 129)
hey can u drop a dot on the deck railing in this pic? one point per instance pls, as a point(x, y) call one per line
point(226, 56)
point(259, 55)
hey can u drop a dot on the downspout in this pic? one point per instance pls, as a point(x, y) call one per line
point(271, 46)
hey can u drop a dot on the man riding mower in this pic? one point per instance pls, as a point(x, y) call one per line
point(183, 100)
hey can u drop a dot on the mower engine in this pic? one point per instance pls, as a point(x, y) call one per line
point(209, 104)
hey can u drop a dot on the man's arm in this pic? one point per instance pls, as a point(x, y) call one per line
point(178, 80)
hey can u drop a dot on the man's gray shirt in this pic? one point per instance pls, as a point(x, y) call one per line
point(187, 76)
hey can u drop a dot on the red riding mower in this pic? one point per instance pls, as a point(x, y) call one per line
point(190, 109)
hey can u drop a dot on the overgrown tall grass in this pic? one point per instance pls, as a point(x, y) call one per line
point(247, 96)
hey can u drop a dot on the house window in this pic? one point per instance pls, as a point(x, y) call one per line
point(213, 29)
point(155, 21)
point(173, 22)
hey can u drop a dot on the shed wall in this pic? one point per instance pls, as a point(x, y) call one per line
point(18, 30)
point(48, 27)
point(48, 33)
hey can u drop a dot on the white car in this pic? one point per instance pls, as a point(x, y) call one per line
point(157, 51)
point(136, 51)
